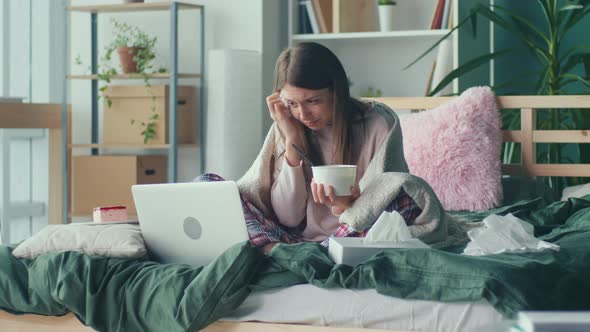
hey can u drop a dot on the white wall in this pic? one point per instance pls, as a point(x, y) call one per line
point(4, 47)
point(31, 67)
point(234, 128)
point(19, 55)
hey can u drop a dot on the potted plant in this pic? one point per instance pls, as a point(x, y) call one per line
point(556, 70)
point(135, 48)
point(386, 11)
point(136, 51)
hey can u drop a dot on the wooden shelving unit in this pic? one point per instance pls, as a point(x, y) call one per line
point(371, 35)
point(131, 7)
point(129, 146)
point(133, 76)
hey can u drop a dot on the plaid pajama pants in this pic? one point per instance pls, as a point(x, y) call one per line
point(263, 230)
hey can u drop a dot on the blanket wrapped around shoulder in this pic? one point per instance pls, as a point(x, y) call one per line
point(386, 174)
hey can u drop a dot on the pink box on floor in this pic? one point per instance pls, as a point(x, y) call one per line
point(109, 213)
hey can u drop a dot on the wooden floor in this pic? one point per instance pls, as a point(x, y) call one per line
point(30, 323)
point(69, 323)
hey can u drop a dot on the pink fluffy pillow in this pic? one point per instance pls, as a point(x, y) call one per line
point(456, 149)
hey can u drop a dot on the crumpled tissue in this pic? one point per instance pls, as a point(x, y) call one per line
point(389, 231)
point(391, 227)
point(502, 234)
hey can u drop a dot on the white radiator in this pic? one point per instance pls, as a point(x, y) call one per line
point(235, 109)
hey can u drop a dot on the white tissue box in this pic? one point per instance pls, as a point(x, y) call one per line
point(355, 250)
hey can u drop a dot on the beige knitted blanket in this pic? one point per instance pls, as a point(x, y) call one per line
point(386, 174)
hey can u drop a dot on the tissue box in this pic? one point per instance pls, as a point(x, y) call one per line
point(355, 250)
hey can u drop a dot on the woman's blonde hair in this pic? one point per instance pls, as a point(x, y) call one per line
point(313, 66)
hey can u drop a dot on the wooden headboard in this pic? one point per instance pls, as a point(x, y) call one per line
point(528, 136)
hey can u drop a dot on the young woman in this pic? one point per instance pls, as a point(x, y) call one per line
point(313, 110)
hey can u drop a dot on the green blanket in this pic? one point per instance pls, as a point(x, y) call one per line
point(134, 295)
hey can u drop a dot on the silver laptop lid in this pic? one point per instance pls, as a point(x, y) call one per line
point(189, 223)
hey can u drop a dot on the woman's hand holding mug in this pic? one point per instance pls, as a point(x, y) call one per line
point(325, 195)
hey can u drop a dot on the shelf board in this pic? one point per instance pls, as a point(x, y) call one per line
point(373, 34)
point(131, 76)
point(131, 7)
point(128, 146)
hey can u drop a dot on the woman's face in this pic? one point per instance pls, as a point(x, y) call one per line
point(313, 108)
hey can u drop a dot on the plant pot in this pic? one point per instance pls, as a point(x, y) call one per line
point(126, 55)
point(386, 13)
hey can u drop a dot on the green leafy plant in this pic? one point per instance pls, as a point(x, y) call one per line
point(557, 70)
point(387, 2)
point(127, 36)
point(141, 47)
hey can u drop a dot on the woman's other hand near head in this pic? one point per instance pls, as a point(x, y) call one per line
point(288, 125)
point(283, 118)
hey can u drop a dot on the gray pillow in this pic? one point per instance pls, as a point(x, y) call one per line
point(575, 191)
point(111, 240)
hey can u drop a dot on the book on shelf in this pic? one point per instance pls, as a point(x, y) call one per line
point(552, 321)
point(444, 65)
point(312, 17)
point(445, 15)
point(451, 12)
point(323, 13)
point(304, 24)
point(429, 80)
point(437, 15)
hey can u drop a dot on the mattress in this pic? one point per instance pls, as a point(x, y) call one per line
point(311, 305)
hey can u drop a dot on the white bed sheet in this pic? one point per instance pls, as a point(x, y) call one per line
point(307, 304)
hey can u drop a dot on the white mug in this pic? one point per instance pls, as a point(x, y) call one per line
point(341, 177)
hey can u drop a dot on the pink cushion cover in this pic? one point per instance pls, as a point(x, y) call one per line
point(456, 148)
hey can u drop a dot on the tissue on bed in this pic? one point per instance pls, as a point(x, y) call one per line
point(389, 231)
point(504, 234)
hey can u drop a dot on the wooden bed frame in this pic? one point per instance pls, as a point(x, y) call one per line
point(527, 136)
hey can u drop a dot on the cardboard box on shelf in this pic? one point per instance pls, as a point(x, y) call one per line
point(354, 16)
point(138, 103)
point(107, 180)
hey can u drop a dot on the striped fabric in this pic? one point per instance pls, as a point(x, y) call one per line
point(261, 230)
point(403, 204)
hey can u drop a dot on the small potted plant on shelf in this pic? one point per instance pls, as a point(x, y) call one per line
point(386, 12)
point(135, 48)
point(136, 51)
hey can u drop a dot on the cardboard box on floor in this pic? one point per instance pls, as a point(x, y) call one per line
point(107, 180)
point(137, 103)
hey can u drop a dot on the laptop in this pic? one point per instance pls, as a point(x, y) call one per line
point(190, 223)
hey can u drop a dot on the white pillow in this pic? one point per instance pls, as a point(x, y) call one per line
point(575, 191)
point(111, 240)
